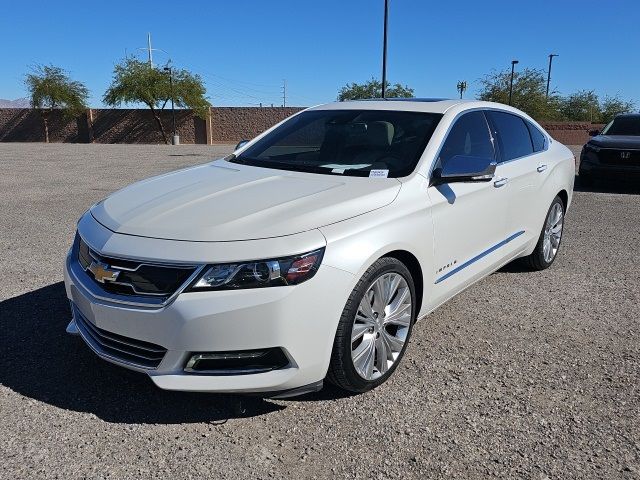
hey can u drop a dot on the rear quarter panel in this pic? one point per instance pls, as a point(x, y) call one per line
point(559, 176)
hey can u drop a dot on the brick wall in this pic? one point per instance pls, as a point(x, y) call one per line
point(227, 125)
point(25, 125)
point(232, 124)
point(139, 126)
point(571, 133)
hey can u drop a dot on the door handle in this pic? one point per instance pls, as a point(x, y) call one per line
point(501, 182)
point(541, 168)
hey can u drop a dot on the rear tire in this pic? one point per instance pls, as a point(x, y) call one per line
point(550, 238)
point(374, 328)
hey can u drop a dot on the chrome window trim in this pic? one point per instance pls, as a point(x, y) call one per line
point(547, 138)
point(484, 109)
point(434, 160)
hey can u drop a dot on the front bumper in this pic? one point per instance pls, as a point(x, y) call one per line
point(590, 165)
point(301, 320)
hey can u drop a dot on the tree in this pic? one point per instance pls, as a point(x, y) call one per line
point(612, 106)
point(138, 82)
point(50, 88)
point(529, 95)
point(529, 92)
point(585, 106)
point(582, 106)
point(373, 89)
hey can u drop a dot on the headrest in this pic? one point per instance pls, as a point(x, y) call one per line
point(380, 133)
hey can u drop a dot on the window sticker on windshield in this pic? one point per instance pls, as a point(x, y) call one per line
point(379, 173)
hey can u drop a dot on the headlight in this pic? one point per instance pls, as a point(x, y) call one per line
point(259, 273)
point(592, 147)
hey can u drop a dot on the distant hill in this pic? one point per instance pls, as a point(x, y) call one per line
point(17, 103)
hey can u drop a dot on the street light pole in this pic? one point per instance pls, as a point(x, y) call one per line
point(551, 55)
point(513, 66)
point(384, 48)
point(176, 139)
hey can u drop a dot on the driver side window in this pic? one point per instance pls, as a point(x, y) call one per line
point(469, 136)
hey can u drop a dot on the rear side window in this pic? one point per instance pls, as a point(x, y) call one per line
point(537, 137)
point(512, 133)
point(469, 136)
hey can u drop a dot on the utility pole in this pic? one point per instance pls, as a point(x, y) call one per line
point(149, 49)
point(284, 93)
point(551, 55)
point(513, 65)
point(384, 48)
point(176, 139)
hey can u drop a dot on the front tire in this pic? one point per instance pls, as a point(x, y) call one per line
point(549, 241)
point(374, 328)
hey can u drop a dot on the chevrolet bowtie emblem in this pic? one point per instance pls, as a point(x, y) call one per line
point(102, 273)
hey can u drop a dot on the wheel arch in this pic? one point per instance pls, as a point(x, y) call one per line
point(564, 196)
point(413, 264)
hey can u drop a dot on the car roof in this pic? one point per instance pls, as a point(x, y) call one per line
point(429, 105)
point(628, 115)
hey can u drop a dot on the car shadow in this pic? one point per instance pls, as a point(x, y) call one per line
point(41, 361)
point(605, 185)
point(515, 266)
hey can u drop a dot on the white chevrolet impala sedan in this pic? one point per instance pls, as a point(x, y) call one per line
point(310, 252)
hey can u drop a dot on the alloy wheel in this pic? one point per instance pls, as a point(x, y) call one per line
point(552, 232)
point(381, 325)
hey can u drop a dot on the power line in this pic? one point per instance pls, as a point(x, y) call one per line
point(237, 86)
point(242, 92)
point(231, 80)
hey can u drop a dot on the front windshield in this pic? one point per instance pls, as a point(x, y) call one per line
point(623, 126)
point(378, 143)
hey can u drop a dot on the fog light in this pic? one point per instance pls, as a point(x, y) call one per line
point(237, 362)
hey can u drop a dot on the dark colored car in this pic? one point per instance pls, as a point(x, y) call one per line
point(613, 152)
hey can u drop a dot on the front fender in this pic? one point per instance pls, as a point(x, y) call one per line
point(405, 225)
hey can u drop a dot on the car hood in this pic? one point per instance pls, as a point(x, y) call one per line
point(616, 141)
point(222, 201)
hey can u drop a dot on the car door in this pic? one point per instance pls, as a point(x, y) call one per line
point(518, 167)
point(468, 218)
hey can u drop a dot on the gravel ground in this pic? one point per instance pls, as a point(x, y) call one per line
point(524, 375)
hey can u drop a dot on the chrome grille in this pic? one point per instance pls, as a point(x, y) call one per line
point(133, 278)
point(621, 157)
point(117, 347)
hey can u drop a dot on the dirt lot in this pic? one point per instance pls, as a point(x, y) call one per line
point(524, 375)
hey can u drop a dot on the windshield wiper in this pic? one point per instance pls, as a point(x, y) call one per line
point(274, 164)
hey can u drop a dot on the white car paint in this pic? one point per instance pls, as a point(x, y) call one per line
point(222, 212)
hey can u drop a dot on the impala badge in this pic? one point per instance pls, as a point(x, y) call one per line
point(102, 273)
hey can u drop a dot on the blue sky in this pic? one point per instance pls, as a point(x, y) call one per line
point(245, 48)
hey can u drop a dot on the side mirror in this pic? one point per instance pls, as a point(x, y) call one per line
point(593, 133)
point(241, 144)
point(465, 168)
